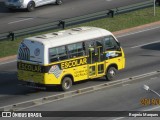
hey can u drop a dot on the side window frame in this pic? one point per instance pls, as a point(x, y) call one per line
point(87, 43)
point(113, 41)
point(83, 51)
point(58, 57)
point(101, 42)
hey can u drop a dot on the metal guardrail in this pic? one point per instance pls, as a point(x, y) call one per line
point(76, 20)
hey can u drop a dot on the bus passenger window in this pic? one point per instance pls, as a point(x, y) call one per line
point(62, 53)
point(91, 46)
point(53, 54)
point(99, 46)
point(76, 50)
point(56, 54)
point(110, 43)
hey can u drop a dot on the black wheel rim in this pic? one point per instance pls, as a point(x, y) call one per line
point(31, 6)
point(59, 2)
point(67, 84)
point(112, 73)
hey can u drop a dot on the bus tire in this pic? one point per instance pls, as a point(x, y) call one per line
point(31, 6)
point(66, 83)
point(59, 2)
point(111, 73)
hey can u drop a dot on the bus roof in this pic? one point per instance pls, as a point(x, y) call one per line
point(69, 36)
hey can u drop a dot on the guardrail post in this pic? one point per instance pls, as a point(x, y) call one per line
point(111, 12)
point(61, 22)
point(12, 35)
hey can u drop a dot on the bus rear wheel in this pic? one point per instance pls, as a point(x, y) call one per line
point(66, 83)
point(31, 6)
point(111, 73)
point(58, 2)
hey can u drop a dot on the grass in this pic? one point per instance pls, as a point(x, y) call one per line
point(126, 20)
point(116, 23)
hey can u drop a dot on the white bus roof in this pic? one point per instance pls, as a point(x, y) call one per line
point(69, 36)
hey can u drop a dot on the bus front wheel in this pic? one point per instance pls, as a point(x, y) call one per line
point(66, 83)
point(111, 73)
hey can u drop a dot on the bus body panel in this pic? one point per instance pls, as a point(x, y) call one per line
point(37, 62)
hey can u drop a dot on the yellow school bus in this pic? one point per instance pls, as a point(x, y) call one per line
point(64, 57)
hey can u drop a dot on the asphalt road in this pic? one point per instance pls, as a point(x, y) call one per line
point(142, 56)
point(19, 19)
point(126, 97)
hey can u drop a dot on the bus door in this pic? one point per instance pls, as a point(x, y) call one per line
point(95, 59)
point(100, 58)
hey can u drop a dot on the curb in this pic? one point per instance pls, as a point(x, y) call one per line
point(129, 30)
point(4, 59)
point(137, 28)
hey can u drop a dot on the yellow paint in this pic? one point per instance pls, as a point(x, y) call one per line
point(77, 67)
point(73, 63)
